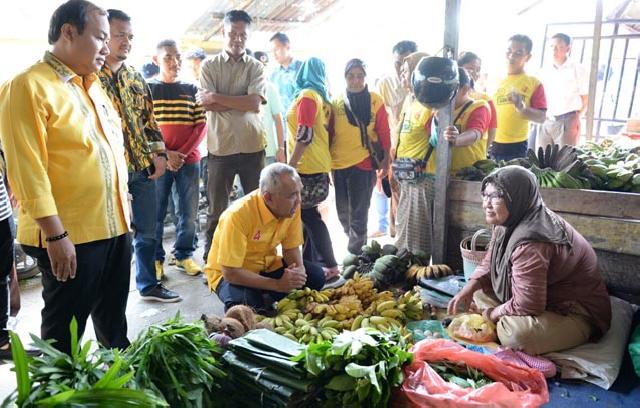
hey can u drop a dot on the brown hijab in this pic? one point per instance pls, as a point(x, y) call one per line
point(529, 221)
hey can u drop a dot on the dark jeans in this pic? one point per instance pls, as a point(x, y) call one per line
point(317, 241)
point(144, 217)
point(231, 295)
point(100, 289)
point(186, 181)
point(353, 198)
point(222, 170)
point(508, 151)
point(6, 264)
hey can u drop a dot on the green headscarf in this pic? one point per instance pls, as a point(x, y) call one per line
point(529, 221)
point(311, 75)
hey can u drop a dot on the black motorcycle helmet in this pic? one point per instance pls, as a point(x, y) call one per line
point(435, 81)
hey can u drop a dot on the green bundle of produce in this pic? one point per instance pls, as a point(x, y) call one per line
point(358, 369)
point(615, 168)
point(461, 374)
point(261, 372)
point(179, 361)
point(81, 378)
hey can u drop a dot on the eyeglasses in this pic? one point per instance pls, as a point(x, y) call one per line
point(496, 198)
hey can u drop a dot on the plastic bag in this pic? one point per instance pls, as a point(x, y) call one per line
point(514, 387)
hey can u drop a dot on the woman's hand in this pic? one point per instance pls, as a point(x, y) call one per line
point(462, 301)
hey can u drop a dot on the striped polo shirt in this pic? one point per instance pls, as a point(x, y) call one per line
point(5, 205)
point(181, 119)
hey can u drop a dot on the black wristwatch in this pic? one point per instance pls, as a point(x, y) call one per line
point(163, 154)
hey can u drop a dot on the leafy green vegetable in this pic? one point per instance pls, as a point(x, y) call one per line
point(59, 379)
point(179, 361)
point(461, 374)
point(359, 368)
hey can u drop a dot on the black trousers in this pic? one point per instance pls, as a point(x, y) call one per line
point(221, 171)
point(6, 263)
point(100, 289)
point(232, 295)
point(353, 198)
point(317, 241)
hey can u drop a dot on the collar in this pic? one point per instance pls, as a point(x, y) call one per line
point(565, 64)
point(107, 70)
point(293, 66)
point(65, 73)
point(226, 56)
point(266, 216)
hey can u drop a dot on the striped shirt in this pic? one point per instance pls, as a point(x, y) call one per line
point(5, 204)
point(234, 131)
point(180, 117)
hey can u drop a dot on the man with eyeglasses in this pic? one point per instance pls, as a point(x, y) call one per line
point(519, 98)
point(234, 88)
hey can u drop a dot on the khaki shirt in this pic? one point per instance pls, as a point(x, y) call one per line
point(233, 131)
point(65, 153)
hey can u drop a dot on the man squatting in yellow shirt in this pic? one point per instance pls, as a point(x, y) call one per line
point(66, 164)
point(243, 266)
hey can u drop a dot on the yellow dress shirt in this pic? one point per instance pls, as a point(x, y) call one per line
point(247, 237)
point(65, 153)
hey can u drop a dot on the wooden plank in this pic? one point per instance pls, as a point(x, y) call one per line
point(593, 76)
point(443, 150)
point(608, 234)
point(586, 202)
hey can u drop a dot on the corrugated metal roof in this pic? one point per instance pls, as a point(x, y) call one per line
point(268, 15)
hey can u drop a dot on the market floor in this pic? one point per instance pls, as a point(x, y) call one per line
point(196, 298)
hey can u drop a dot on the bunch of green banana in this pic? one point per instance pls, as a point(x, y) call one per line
point(382, 323)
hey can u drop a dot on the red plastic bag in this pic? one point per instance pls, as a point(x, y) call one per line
point(515, 386)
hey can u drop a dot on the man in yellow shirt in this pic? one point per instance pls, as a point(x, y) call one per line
point(243, 265)
point(66, 164)
point(519, 99)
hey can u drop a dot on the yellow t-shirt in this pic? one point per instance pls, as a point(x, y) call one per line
point(465, 156)
point(512, 127)
point(247, 236)
point(316, 158)
point(346, 148)
point(64, 148)
point(415, 131)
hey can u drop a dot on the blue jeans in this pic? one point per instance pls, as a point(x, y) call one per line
point(508, 151)
point(143, 208)
point(186, 180)
point(382, 208)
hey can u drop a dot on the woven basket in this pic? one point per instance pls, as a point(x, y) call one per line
point(471, 256)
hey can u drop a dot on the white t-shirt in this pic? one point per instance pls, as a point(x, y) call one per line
point(563, 87)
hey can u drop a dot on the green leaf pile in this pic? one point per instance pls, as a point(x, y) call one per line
point(359, 368)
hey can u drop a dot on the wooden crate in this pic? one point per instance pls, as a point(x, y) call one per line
point(610, 221)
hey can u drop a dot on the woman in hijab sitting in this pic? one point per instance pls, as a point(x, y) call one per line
point(359, 130)
point(308, 145)
point(539, 281)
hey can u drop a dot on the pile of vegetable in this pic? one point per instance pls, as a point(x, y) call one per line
point(261, 372)
point(596, 166)
point(358, 369)
point(307, 315)
point(614, 168)
point(82, 378)
point(461, 374)
point(178, 361)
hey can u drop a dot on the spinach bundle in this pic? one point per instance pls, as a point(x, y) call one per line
point(82, 378)
point(359, 368)
point(179, 361)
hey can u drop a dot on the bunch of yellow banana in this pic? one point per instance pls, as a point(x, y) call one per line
point(411, 304)
point(307, 331)
point(381, 323)
point(417, 272)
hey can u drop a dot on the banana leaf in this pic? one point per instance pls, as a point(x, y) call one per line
point(258, 372)
point(256, 352)
point(269, 340)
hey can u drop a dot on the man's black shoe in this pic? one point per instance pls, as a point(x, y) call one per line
point(161, 294)
point(5, 353)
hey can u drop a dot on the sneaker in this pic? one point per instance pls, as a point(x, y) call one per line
point(377, 234)
point(161, 294)
point(172, 260)
point(189, 266)
point(5, 352)
point(160, 272)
